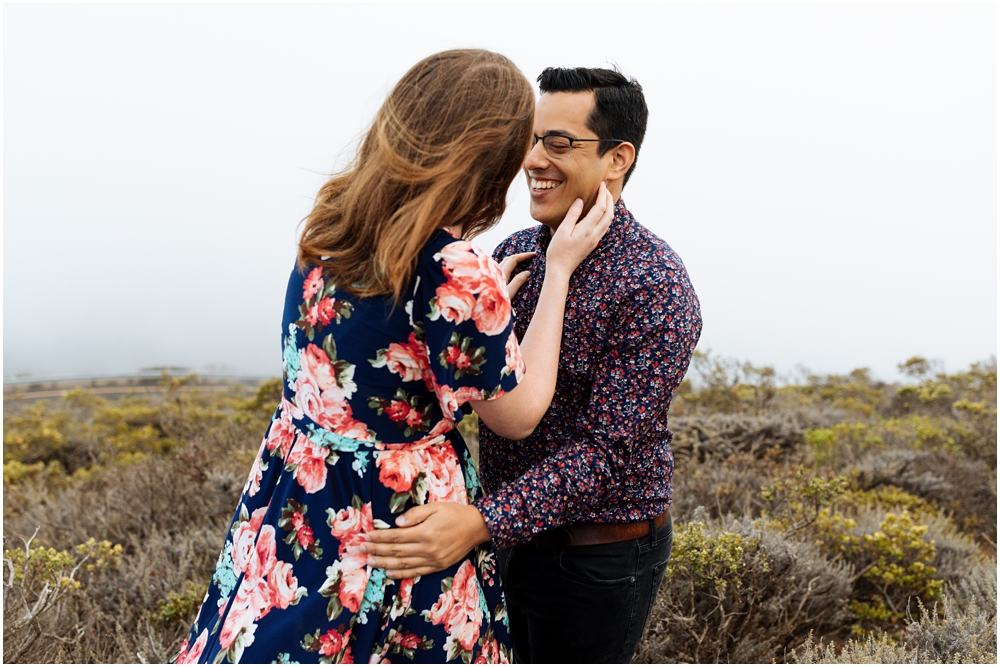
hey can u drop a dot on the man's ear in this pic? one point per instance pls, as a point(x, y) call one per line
point(622, 157)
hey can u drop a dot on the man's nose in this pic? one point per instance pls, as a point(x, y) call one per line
point(537, 158)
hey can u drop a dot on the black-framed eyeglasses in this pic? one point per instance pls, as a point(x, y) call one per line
point(559, 145)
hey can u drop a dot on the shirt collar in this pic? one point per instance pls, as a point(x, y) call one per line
point(620, 223)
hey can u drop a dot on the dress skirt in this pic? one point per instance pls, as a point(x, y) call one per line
point(293, 585)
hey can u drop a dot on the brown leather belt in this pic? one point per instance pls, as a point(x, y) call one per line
point(586, 534)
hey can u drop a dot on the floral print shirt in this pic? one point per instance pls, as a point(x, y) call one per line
point(602, 451)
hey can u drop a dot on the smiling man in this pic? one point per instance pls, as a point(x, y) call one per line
point(578, 511)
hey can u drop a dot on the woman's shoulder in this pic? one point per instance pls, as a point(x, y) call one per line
point(442, 239)
point(459, 281)
point(444, 254)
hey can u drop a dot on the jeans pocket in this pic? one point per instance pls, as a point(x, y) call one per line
point(601, 564)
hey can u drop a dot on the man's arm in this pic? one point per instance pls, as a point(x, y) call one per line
point(633, 383)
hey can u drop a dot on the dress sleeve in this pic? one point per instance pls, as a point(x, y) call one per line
point(461, 305)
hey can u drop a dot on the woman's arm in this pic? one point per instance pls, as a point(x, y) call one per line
point(433, 536)
point(516, 414)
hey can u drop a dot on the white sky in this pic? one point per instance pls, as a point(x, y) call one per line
point(827, 173)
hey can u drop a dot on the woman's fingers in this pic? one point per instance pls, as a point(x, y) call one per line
point(511, 261)
point(401, 557)
point(514, 285)
point(404, 567)
point(572, 215)
point(599, 219)
point(602, 210)
point(573, 225)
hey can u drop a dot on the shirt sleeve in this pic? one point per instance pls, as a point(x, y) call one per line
point(462, 305)
point(633, 381)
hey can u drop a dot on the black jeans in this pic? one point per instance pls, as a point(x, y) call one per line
point(583, 604)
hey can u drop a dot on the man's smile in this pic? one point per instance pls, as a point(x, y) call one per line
point(543, 186)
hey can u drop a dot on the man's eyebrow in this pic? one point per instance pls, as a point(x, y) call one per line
point(565, 133)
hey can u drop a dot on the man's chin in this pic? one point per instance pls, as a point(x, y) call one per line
point(546, 216)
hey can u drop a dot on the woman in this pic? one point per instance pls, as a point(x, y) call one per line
point(392, 322)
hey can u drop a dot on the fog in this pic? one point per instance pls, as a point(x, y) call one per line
point(827, 173)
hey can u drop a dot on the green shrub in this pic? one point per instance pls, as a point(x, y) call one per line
point(962, 628)
point(894, 564)
point(38, 581)
point(741, 591)
point(179, 608)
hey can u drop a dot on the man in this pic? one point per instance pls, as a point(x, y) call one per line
point(578, 511)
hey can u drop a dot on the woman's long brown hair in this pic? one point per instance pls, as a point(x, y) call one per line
point(443, 150)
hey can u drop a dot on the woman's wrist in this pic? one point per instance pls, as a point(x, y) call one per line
point(557, 275)
point(478, 530)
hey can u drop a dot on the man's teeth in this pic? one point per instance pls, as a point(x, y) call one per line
point(543, 185)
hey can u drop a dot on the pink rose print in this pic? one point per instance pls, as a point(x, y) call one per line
point(257, 518)
point(190, 657)
point(267, 582)
point(445, 481)
point(353, 429)
point(455, 302)
point(397, 469)
point(463, 265)
point(398, 410)
point(316, 365)
point(403, 599)
point(414, 418)
point(467, 634)
point(336, 409)
point(407, 360)
point(284, 586)
point(442, 427)
point(446, 398)
point(309, 460)
point(454, 356)
point(406, 591)
point(282, 433)
point(252, 602)
point(458, 608)
point(304, 536)
point(243, 546)
point(323, 398)
point(492, 311)
point(348, 577)
point(264, 556)
point(514, 363)
point(322, 312)
point(256, 473)
point(352, 587)
point(491, 653)
point(308, 395)
point(466, 394)
point(352, 522)
point(332, 642)
point(312, 284)
point(238, 619)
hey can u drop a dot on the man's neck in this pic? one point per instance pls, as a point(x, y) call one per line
point(555, 226)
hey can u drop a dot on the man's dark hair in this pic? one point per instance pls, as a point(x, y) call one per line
point(619, 111)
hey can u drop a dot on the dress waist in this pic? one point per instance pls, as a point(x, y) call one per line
point(337, 442)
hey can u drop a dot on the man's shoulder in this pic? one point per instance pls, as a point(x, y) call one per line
point(652, 262)
point(523, 240)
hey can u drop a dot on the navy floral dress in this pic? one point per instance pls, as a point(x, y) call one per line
point(365, 430)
